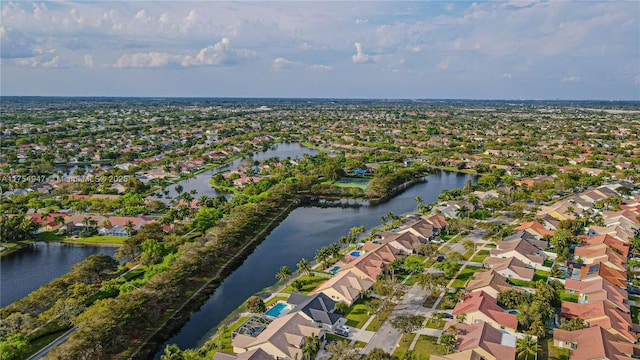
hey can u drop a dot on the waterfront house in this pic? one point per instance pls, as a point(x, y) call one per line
point(346, 286)
point(255, 354)
point(283, 338)
point(319, 307)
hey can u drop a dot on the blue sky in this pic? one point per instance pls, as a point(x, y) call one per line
point(476, 50)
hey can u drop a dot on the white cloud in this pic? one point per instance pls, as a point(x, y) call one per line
point(572, 79)
point(150, 59)
point(220, 53)
point(506, 75)
point(360, 56)
point(56, 61)
point(281, 64)
point(320, 67)
point(88, 60)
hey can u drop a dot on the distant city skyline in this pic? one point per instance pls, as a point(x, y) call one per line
point(307, 49)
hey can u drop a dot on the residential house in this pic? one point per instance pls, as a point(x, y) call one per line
point(520, 249)
point(374, 262)
point(530, 238)
point(621, 246)
point(406, 242)
point(284, 338)
point(490, 282)
point(481, 307)
point(602, 314)
point(346, 286)
point(600, 253)
point(479, 341)
point(601, 270)
point(438, 221)
point(319, 307)
point(256, 354)
point(594, 343)
point(510, 267)
point(420, 228)
point(598, 289)
point(534, 228)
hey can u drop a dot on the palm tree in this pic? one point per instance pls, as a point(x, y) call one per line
point(58, 219)
point(129, 227)
point(419, 204)
point(462, 211)
point(311, 346)
point(222, 330)
point(322, 256)
point(448, 341)
point(527, 346)
point(283, 273)
point(304, 267)
point(334, 249)
point(461, 317)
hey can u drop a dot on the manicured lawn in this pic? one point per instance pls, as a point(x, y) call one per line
point(275, 299)
point(445, 248)
point(411, 280)
point(97, 239)
point(568, 297)
point(634, 298)
point(403, 345)
point(426, 346)
point(464, 276)
point(550, 352)
point(224, 344)
point(523, 283)
point(362, 183)
point(490, 246)
point(311, 282)
point(547, 263)
point(540, 275)
point(480, 256)
point(377, 321)
point(48, 236)
point(435, 324)
point(357, 315)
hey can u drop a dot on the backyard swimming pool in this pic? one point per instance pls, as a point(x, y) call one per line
point(355, 253)
point(276, 309)
point(334, 270)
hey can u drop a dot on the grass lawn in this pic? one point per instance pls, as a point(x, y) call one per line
point(311, 282)
point(522, 283)
point(634, 298)
point(547, 263)
point(137, 272)
point(224, 344)
point(480, 256)
point(275, 299)
point(426, 346)
point(435, 324)
point(377, 321)
point(411, 280)
point(48, 236)
point(42, 341)
point(359, 344)
point(357, 315)
point(551, 352)
point(362, 183)
point(445, 248)
point(403, 345)
point(490, 246)
point(568, 297)
point(329, 336)
point(540, 275)
point(464, 276)
point(97, 239)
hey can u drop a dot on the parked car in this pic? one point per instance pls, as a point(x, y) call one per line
point(440, 258)
point(341, 332)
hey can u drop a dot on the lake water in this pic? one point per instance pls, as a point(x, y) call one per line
point(304, 231)
point(27, 269)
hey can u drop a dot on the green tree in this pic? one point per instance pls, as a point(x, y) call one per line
point(379, 354)
point(14, 347)
point(527, 346)
point(311, 347)
point(448, 341)
point(334, 250)
point(256, 305)
point(407, 324)
point(304, 267)
point(342, 350)
point(283, 273)
point(172, 352)
point(322, 256)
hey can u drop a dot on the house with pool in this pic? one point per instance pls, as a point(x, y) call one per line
point(346, 287)
point(282, 338)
